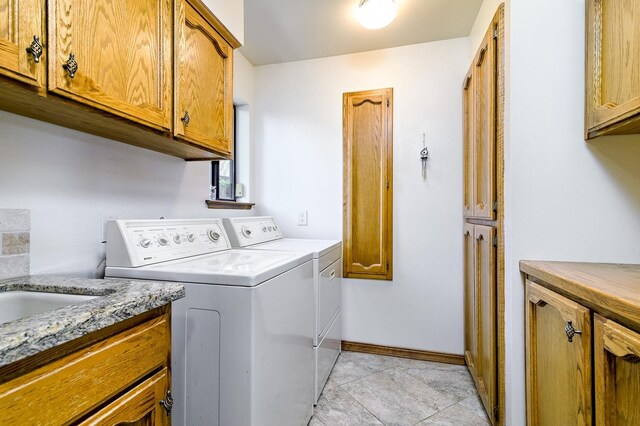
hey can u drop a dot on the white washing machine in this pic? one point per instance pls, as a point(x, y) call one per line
point(263, 233)
point(242, 343)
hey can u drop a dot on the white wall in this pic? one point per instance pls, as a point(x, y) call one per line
point(231, 14)
point(299, 167)
point(568, 199)
point(71, 181)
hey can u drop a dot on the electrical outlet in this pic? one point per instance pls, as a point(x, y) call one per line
point(302, 218)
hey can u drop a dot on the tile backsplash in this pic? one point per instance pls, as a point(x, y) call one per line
point(15, 225)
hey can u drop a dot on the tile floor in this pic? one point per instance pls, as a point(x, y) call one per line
point(366, 389)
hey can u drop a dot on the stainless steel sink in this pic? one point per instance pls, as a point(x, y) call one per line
point(22, 304)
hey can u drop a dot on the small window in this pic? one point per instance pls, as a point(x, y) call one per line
point(223, 173)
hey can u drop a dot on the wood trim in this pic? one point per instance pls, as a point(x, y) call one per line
point(369, 348)
point(231, 205)
point(206, 13)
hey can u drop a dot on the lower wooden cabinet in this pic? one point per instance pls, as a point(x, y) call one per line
point(558, 359)
point(143, 405)
point(617, 373)
point(120, 379)
point(481, 350)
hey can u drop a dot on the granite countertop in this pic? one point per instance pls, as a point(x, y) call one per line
point(120, 299)
point(612, 290)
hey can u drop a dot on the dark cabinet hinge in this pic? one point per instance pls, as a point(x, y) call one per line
point(387, 103)
point(387, 266)
point(496, 412)
point(495, 207)
point(495, 33)
point(495, 241)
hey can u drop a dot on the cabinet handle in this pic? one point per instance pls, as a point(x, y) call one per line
point(71, 66)
point(570, 331)
point(167, 403)
point(480, 237)
point(332, 275)
point(35, 49)
point(466, 234)
point(186, 119)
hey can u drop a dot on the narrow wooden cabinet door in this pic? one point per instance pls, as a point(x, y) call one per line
point(484, 129)
point(471, 300)
point(613, 67)
point(468, 146)
point(203, 82)
point(140, 406)
point(486, 305)
point(368, 172)
point(114, 55)
point(558, 362)
point(22, 40)
point(617, 373)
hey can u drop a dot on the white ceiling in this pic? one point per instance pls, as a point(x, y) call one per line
point(291, 30)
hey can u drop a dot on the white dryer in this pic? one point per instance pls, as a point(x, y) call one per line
point(263, 233)
point(242, 337)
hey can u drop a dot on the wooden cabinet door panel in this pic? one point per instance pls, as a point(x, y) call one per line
point(139, 407)
point(20, 22)
point(486, 305)
point(468, 146)
point(484, 129)
point(558, 371)
point(613, 64)
point(471, 299)
point(123, 53)
point(367, 184)
point(203, 82)
point(617, 373)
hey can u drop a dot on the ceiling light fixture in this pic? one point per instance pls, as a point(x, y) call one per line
point(376, 14)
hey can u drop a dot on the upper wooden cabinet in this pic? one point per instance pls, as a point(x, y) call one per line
point(612, 67)
point(114, 55)
point(22, 41)
point(203, 80)
point(479, 94)
point(368, 175)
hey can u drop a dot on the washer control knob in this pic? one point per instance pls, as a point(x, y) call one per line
point(213, 235)
point(191, 238)
point(163, 241)
point(264, 229)
point(145, 243)
point(176, 239)
point(246, 232)
point(271, 228)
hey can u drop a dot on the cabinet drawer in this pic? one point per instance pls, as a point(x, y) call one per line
point(70, 387)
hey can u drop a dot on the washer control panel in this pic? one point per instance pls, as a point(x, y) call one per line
point(247, 231)
point(142, 242)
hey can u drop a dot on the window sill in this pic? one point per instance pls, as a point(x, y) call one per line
point(229, 205)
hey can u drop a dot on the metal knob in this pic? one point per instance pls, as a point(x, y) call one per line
point(167, 403)
point(71, 66)
point(570, 331)
point(35, 49)
point(186, 119)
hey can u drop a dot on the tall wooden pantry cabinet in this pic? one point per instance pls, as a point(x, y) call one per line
point(483, 100)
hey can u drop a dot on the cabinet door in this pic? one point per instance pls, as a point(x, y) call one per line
point(203, 82)
point(613, 66)
point(471, 300)
point(121, 52)
point(468, 146)
point(484, 125)
point(617, 373)
point(558, 363)
point(486, 303)
point(22, 28)
point(141, 406)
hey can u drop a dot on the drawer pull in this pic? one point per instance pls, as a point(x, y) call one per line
point(35, 49)
point(71, 66)
point(332, 274)
point(186, 118)
point(167, 403)
point(570, 331)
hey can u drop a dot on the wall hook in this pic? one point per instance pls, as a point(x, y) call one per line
point(424, 156)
